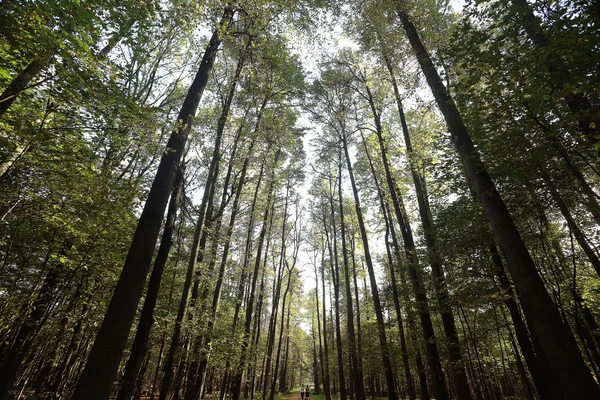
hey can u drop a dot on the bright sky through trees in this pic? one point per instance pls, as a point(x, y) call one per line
point(227, 199)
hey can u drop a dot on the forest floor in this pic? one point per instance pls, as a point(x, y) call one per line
point(290, 396)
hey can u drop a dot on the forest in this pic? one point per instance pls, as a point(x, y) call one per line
point(381, 199)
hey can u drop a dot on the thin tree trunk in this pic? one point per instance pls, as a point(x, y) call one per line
point(429, 232)
point(389, 229)
point(356, 379)
point(385, 354)
point(359, 353)
point(205, 353)
point(326, 379)
point(239, 376)
point(543, 385)
point(275, 306)
point(277, 357)
point(283, 386)
point(335, 274)
point(21, 345)
point(433, 357)
point(577, 232)
point(196, 377)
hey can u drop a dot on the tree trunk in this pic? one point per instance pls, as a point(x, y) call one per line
point(275, 306)
point(20, 83)
point(326, 379)
point(140, 343)
point(414, 270)
point(96, 380)
point(359, 353)
point(205, 352)
point(429, 232)
point(357, 380)
point(17, 153)
point(239, 376)
point(196, 377)
point(385, 355)
point(544, 385)
point(283, 386)
point(335, 274)
point(21, 344)
point(277, 357)
point(543, 318)
point(572, 224)
point(410, 385)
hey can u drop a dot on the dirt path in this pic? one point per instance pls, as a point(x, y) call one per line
point(293, 396)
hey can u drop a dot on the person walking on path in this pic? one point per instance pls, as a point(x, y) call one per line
point(307, 393)
point(302, 392)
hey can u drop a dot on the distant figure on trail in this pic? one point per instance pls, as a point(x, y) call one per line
point(302, 392)
point(307, 393)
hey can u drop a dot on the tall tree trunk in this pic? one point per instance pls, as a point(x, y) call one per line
point(326, 378)
point(414, 270)
point(283, 385)
point(196, 377)
point(257, 324)
point(275, 306)
point(541, 314)
point(544, 385)
point(410, 385)
point(359, 353)
point(205, 351)
point(239, 375)
point(142, 335)
point(318, 311)
point(429, 232)
point(279, 343)
point(412, 325)
point(242, 282)
point(96, 380)
point(385, 354)
point(315, 358)
point(335, 274)
point(357, 380)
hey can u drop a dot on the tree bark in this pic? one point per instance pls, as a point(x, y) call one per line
point(140, 342)
point(541, 314)
point(335, 274)
point(357, 380)
point(410, 385)
point(96, 380)
point(441, 288)
point(239, 376)
point(385, 355)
